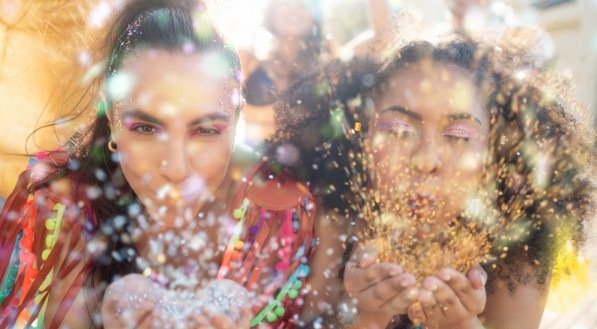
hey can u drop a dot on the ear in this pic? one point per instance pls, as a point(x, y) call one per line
point(104, 109)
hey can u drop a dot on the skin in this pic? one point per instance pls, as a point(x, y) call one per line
point(428, 142)
point(290, 22)
point(291, 18)
point(187, 118)
point(185, 115)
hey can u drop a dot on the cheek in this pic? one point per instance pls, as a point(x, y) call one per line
point(464, 177)
point(139, 166)
point(210, 161)
point(465, 162)
point(389, 166)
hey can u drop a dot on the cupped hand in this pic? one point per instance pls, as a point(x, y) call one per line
point(134, 301)
point(378, 287)
point(450, 299)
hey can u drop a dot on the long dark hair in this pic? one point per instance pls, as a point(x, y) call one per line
point(521, 118)
point(162, 24)
point(171, 25)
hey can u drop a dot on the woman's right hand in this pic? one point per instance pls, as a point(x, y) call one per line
point(378, 287)
point(134, 301)
point(129, 303)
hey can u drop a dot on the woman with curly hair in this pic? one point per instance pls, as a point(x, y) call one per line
point(432, 163)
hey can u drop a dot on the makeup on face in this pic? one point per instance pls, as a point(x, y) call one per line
point(403, 123)
point(143, 123)
point(174, 131)
point(428, 122)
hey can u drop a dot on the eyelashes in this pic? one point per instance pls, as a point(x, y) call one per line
point(143, 128)
point(149, 129)
point(403, 129)
point(214, 130)
point(460, 132)
point(396, 127)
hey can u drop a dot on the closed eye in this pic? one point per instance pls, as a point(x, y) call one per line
point(397, 128)
point(460, 133)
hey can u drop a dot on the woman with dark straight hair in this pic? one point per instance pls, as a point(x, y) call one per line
point(133, 223)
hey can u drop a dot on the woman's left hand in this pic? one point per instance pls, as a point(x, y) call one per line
point(451, 299)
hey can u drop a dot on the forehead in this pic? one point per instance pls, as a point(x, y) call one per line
point(158, 78)
point(427, 86)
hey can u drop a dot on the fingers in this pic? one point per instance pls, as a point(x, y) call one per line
point(145, 315)
point(357, 279)
point(364, 256)
point(445, 297)
point(198, 321)
point(430, 309)
point(462, 289)
point(379, 272)
point(381, 293)
point(210, 319)
point(478, 277)
point(220, 321)
point(398, 304)
point(245, 317)
point(404, 293)
point(415, 313)
point(472, 299)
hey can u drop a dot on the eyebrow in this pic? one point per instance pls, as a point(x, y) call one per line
point(211, 117)
point(463, 116)
point(404, 111)
point(142, 116)
point(139, 114)
point(417, 116)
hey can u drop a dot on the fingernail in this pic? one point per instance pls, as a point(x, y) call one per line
point(407, 281)
point(425, 296)
point(412, 293)
point(445, 275)
point(430, 284)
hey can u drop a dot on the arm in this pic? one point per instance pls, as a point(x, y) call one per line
point(459, 9)
point(381, 33)
point(381, 20)
point(325, 287)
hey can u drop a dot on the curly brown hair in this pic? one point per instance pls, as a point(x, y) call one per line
point(539, 150)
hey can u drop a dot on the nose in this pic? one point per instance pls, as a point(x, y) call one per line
point(426, 158)
point(174, 166)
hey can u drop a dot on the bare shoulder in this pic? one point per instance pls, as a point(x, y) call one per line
point(325, 284)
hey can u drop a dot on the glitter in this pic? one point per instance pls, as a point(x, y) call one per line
point(120, 85)
point(93, 192)
point(163, 191)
